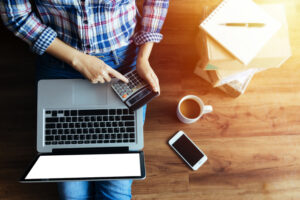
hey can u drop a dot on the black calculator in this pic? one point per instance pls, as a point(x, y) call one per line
point(136, 92)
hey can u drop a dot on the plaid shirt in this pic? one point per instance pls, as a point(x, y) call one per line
point(91, 26)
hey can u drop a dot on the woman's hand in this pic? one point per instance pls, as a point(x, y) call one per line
point(91, 67)
point(95, 69)
point(146, 72)
point(143, 66)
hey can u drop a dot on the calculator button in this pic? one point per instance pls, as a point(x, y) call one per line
point(124, 96)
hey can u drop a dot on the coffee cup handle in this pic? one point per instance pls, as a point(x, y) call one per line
point(207, 109)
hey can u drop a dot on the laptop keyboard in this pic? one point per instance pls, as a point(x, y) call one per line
point(63, 127)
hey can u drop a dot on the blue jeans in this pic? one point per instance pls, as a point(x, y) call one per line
point(100, 190)
point(49, 67)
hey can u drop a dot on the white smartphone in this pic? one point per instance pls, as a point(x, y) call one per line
point(187, 150)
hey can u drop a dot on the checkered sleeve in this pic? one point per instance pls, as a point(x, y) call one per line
point(154, 14)
point(19, 18)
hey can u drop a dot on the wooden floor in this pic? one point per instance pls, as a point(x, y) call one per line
point(252, 142)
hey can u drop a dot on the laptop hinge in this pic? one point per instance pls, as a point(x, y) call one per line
point(92, 150)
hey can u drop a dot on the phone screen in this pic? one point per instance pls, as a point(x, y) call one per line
point(187, 150)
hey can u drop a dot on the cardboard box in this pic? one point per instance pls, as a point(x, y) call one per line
point(234, 88)
point(272, 55)
point(224, 68)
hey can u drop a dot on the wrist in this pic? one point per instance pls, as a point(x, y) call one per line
point(145, 51)
point(141, 59)
point(75, 59)
point(65, 53)
point(142, 63)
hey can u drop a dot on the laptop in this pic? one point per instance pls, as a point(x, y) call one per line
point(85, 132)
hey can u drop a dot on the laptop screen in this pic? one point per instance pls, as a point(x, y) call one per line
point(86, 166)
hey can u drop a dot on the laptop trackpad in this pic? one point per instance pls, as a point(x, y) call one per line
point(85, 93)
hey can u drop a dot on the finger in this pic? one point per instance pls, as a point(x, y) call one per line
point(94, 81)
point(157, 87)
point(99, 79)
point(106, 76)
point(152, 83)
point(117, 74)
point(155, 77)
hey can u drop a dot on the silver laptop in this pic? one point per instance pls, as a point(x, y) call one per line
point(76, 117)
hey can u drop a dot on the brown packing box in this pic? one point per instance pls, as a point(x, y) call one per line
point(217, 77)
point(220, 78)
point(272, 55)
point(234, 88)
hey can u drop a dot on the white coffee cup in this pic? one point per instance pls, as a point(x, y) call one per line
point(203, 109)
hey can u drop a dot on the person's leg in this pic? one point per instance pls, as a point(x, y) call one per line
point(144, 113)
point(50, 68)
point(113, 190)
point(119, 189)
point(76, 190)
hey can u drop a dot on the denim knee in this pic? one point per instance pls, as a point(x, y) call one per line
point(75, 190)
point(144, 113)
point(113, 190)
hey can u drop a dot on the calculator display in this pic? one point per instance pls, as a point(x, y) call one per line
point(139, 96)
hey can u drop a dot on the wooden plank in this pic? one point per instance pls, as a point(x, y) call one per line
point(222, 194)
point(252, 142)
point(162, 183)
